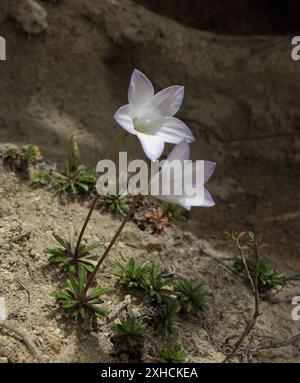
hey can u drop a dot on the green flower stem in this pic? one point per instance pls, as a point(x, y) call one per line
point(86, 222)
point(119, 143)
point(136, 199)
point(120, 139)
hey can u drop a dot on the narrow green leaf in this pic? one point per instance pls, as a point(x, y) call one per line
point(93, 246)
point(61, 241)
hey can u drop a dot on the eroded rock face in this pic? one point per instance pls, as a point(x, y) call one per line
point(31, 16)
point(242, 94)
point(74, 78)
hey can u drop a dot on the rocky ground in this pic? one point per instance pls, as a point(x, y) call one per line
point(31, 309)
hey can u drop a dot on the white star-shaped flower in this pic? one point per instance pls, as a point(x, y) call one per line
point(149, 116)
point(200, 196)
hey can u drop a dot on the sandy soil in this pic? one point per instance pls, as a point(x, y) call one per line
point(24, 209)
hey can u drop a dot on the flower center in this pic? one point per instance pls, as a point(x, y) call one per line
point(140, 126)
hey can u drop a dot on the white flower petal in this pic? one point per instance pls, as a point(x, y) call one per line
point(204, 199)
point(208, 200)
point(171, 130)
point(140, 91)
point(187, 203)
point(209, 168)
point(123, 117)
point(165, 103)
point(180, 152)
point(153, 145)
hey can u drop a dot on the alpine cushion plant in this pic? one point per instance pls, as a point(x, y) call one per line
point(79, 305)
point(31, 154)
point(20, 160)
point(156, 285)
point(132, 274)
point(172, 353)
point(116, 203)
point(77, 181)
point(128, 335)
point(75, 178)
point(176, 212)
point(191, 296)
point(68, 259)
point(167, 320)
point(150, 117)
point(41, 178)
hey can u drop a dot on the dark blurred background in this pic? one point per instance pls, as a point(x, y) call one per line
point(232, 17)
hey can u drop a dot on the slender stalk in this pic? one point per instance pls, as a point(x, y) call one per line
point(250, 323)
point(119, 143)
point(120, 140)
point(88, 217)
point(284, 343)
point(256, 296)
point(112, 242)
point(243, 258)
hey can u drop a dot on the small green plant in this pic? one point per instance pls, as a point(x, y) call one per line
point(129, 335)
point(116, 203)
point(258, 271)
point(155, 285)
point(68, 259)
point(253, 242)
point(167, 320)
point(41, 178)
point(10, 153)
point(77, 303)
point(31, 154)
point(191, 296)
point(19, 160)
point(132, 274)
point(78, 181)
point(75, 179)
point(172, 353)
point(267, 277)
point(175, 212)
